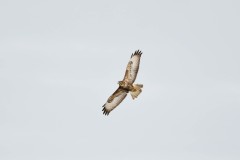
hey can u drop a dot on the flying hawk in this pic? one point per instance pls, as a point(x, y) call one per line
point(125, 85)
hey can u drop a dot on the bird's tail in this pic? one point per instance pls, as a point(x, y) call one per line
point(137, 90)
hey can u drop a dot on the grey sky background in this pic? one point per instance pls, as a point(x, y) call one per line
point(61, 60)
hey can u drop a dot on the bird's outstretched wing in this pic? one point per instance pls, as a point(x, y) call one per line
point(114, 100)
point(132, 67)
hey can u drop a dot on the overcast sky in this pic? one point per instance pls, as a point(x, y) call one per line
point(60, 60)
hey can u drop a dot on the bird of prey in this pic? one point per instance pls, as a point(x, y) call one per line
point(126, 85)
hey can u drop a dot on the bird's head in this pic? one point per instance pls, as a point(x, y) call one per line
point(121, 83)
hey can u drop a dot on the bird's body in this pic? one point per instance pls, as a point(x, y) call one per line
point(126, 85)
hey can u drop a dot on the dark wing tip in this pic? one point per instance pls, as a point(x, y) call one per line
point(105, 111)
point(137, 52)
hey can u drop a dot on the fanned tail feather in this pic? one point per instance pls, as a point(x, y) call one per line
point(137, 90)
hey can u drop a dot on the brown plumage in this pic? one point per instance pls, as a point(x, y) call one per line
point(126, 85)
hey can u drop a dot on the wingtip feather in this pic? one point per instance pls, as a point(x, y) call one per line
point(137, 52)
point(105, 111)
